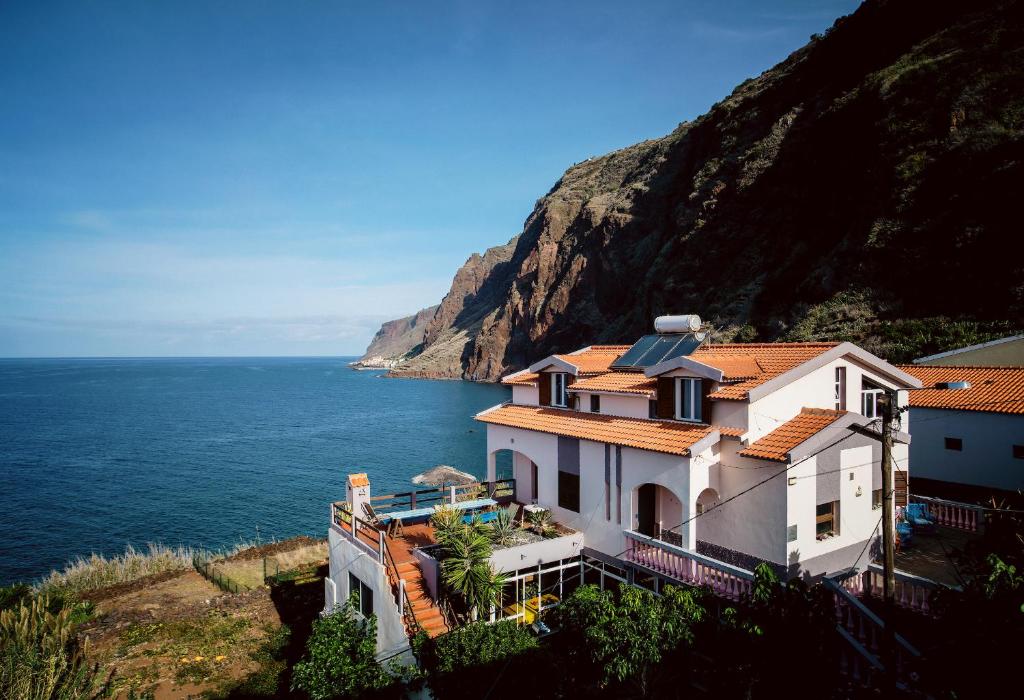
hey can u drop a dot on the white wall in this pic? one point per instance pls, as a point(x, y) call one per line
point(987, 456)
point(638, 467)
point(525, 395)
point(345, 557)
point(754, 523)
point(814, 390)
point(617, 405)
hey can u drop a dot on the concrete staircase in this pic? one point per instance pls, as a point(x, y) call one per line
point(428, 615)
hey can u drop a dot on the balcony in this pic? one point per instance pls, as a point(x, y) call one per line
point(674, 562)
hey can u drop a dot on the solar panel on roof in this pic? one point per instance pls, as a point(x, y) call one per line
point(652, 349)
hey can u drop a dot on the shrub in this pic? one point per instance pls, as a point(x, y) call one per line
point(340, 659)
point(39, 655)
point(481, 643)
point(467, 662)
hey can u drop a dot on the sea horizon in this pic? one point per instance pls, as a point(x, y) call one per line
point(208, 451)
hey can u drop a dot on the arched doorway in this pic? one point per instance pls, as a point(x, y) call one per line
point(513, 464)
point(707, 518)
point(658, 512)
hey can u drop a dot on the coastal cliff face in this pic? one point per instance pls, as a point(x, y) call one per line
point(396, 339)
point(864, 189)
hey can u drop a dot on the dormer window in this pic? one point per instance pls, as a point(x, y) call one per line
point(870, 393)
point(688, 399)
point(559, 396)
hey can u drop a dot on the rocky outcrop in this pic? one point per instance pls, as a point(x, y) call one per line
point(396, 340)
point(864, 189)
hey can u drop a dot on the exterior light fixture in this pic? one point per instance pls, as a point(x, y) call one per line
point(792, 481)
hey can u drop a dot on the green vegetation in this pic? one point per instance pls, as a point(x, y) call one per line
point(467, 661)
point(39, 655)
point(340, 658)
point(633, 639)
point(465, 559)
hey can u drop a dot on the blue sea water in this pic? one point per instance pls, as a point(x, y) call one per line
point(98, 453)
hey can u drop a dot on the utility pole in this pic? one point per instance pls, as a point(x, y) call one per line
point(888, 538)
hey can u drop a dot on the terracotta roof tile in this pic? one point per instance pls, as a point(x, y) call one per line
point(993, 389)
point(653, 435)
point(772, 358)
point(620, 382)
point(521, 379)
point(777, 444)
point(594, 359)
point(357, 480)
point(734, 367)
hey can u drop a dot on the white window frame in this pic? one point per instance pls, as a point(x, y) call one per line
point(840, 392)
point(872, 395)
point(559, 392)
point(694, 413)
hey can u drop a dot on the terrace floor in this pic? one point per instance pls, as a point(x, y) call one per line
point(413, 536)
point(929, 555)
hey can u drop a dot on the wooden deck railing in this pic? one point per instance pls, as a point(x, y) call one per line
point(503, 490)
point(963, 516)
point(688, 567)
point(360, 531)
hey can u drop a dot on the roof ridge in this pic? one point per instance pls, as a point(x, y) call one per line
point(963, 367)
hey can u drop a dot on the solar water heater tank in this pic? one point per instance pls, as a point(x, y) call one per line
point(689, 323)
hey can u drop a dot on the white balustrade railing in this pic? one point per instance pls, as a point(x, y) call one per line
point(687, 566)
point(963, 516)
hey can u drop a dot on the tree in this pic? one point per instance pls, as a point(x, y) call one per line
point(340, 659)
point(628, 640)
point(778, 621)
point(466, 569)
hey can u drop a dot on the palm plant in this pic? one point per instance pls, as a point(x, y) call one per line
point(447, 521)
point(541, 523)
point(503, 529)
point(467, 569)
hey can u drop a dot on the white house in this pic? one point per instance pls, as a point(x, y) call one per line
point(739, 452)
point(672, 460)
point(972, 437)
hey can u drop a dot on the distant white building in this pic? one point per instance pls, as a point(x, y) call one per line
point(1004, 352)
point(972, 437)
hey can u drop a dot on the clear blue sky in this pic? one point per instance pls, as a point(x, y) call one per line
point(276, 178)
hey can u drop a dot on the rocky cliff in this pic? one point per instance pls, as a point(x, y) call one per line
point(864, 189)
point(397, 339)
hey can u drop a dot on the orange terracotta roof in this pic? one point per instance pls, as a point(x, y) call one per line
point(734, 367)
point(728, 431)
point(357, 480)
point(594, 359)
point(653, 435)
point(772, 358)
point(619, 382)
point(521, 379)
point(993, 389)
point(777, 444)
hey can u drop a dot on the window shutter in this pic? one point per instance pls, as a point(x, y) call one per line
point(705, 401)
point(666, 397)
point(544, 384)
point(899, 487)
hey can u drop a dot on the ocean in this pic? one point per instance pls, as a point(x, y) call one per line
point(99, 453)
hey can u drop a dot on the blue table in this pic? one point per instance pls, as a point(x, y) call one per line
point(407, 515)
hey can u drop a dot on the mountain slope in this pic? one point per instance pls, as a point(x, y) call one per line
point(396, 339)
point(863, 189)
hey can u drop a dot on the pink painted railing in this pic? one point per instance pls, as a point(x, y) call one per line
point(912, 592)
point(865, 631)
point(688, 567)
point(962, 516)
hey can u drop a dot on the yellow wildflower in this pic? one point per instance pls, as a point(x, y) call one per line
point(219, 658)
point(184, 659)
point(198, 658)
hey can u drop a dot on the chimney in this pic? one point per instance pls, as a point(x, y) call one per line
point(357, 493)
